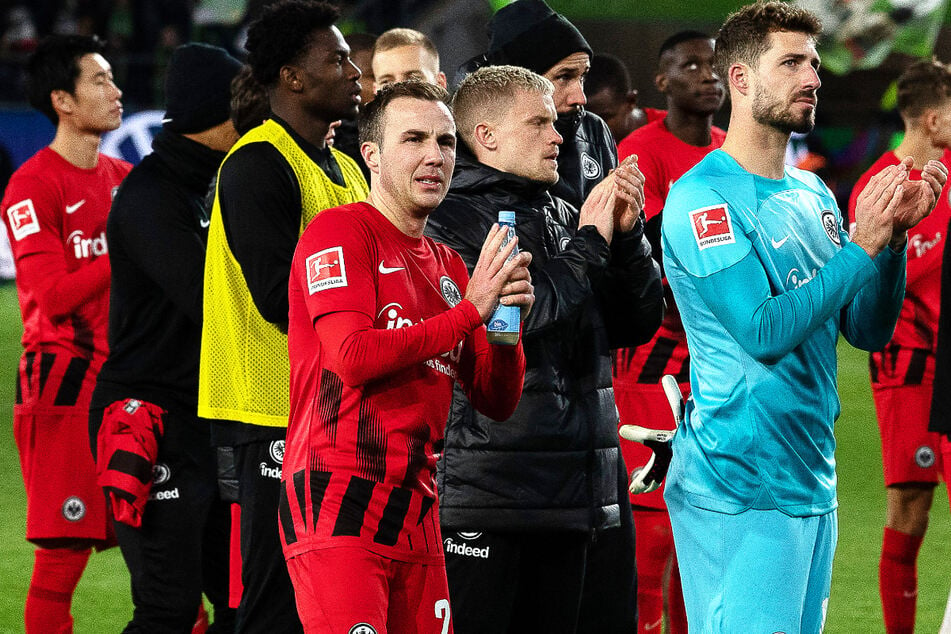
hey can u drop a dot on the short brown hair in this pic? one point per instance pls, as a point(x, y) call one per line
point(395, 38)
point(487, 94)
point(744, 37)
point(925, 84)
point(372, 116)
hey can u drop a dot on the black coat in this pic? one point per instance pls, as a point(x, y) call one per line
point(157, 231)
point(554, 464)
point(587, 154)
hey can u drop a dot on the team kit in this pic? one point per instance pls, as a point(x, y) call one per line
point(349, 352)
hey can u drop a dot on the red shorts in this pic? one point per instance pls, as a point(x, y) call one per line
point(354, 591)
point(645, 405)
point(910, 453)
point(63, 500)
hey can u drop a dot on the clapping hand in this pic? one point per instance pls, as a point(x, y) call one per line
point(615, 203)
point(629, 182)
point(918, 198)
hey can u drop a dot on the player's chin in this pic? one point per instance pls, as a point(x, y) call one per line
point(429, 201)
point(113, 122)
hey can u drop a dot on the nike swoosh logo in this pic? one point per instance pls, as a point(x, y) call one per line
point(71, 208)
point(204, 223)
point(909, 595)
point(386, 269)
point(650, 626)
point(778, 243)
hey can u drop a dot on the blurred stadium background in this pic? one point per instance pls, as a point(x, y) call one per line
point(867, 45)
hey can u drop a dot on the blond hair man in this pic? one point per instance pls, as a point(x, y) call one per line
point(402, 54)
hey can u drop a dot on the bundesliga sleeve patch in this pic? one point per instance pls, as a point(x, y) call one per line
point(23, 221)
point(326, 269)
point(712, 226)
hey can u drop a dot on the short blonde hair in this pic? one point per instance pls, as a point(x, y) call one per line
point(488, 93)
point(396, 38)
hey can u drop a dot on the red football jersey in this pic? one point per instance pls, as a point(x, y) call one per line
point(654, 114)
point(908, 359)
point(360, 458)
point(663, 158)
point(55, 214)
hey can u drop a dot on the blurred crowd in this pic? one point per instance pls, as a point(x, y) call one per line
point(141, 34)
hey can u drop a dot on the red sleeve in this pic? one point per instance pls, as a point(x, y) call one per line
point(335, 265)
point(360, 353)
point(490, 375)
point(33, 221)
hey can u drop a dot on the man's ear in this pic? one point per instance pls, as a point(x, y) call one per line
point(485, 135)
point(441, 79)
point(62, 101)
point(660, 80)
point(739, 76)
point(290, 77)
point(371, 155)
point(931, 119)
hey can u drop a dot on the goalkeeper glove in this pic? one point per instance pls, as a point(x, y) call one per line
point(650, 476)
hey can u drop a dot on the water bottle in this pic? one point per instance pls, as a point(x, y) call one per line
point(503, 327)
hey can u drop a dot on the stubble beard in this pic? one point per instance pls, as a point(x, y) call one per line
point(774, 112)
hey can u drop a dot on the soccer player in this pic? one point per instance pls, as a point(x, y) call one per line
point(402, 54)
point(55, 209)
point(383, 322)
point(274, 181)
point(665, 149)
point(528, 33)
point(176, 544)
point(610, 96)
point(902, 373)
point(766, 278)
point(523, 499)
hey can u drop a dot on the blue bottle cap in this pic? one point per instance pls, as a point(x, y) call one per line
point(507, 217)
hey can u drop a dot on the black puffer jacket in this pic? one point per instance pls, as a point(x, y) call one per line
point(554, 464)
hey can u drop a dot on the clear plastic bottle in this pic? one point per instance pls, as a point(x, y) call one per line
point(503, 327)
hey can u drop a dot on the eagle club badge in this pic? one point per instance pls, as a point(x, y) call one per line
point(590, 167)
point(831, 226)
point(712, 226)
point(74, 509)
point(450, 291)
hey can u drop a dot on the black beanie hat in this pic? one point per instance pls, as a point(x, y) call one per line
point(528, 33)
point(198, 88)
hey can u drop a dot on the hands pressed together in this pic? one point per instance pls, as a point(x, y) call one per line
point(494, 280)
point(891, 204)
point(616, 202)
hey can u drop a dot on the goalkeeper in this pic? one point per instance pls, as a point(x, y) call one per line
point(766, 278)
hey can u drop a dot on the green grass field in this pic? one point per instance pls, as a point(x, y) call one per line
point(102, 602)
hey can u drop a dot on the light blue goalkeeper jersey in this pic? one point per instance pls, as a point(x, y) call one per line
point(765, 279)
